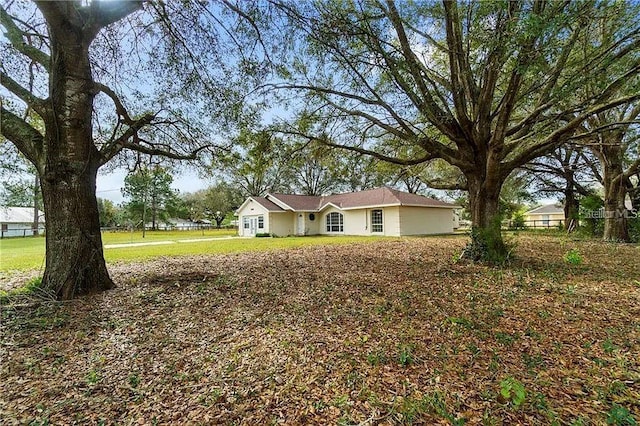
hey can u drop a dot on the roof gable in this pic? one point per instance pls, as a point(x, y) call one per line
point(262, 201)
point(548, 209)
point(19, 215)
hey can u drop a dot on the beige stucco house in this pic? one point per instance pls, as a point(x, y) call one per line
point(381, 211)
point(546, 216)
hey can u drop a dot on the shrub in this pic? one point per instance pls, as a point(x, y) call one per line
point(573, 257)
point(512, 390)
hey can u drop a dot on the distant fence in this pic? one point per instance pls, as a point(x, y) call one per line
point(21, 233)
point(535, 224)
point(163, 227)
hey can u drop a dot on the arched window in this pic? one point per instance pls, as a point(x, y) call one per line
point(335, 222)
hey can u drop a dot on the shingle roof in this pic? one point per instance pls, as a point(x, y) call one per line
point(19, 215)
point(268, 204)
point(299, 202)
point(548, 209)
point(384, 196)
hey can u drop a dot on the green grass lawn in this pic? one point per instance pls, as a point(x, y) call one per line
point(28, 253)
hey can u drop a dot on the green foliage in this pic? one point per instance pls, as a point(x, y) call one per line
point(621, 416)
point(405, 354)
point(588, 206)
point(92, 377)
point(573, 257)
point(513, 391)
point(488, 245)
point(150, 194)
point(216, 203)
point(634, 228)
point(134, 380)
point(518, 220)
point(109, 213)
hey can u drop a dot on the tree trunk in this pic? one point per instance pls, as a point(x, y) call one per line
point(615, 214)
point(615, 190)
point(571, 204)
point(74, 258)
point(486, 235)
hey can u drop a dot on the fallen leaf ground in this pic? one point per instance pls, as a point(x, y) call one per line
point(388, 332)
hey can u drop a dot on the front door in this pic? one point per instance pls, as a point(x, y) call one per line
point(253, 226)
point(300, 224)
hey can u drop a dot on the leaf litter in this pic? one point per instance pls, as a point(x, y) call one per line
point(387, 332)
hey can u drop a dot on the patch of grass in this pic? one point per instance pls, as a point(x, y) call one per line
point(28, 253)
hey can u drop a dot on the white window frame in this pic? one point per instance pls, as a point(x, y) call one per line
point(377, 226)
point(245, 222)
point(261, 222)
point(334, 222)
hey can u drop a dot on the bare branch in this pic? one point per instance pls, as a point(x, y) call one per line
point(15, 36)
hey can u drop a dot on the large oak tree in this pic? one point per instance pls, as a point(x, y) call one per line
point(49, 71)
point(486, 86)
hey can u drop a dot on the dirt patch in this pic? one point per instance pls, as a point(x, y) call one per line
point(391, 332)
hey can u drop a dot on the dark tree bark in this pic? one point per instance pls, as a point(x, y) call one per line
point(66, 156)
point(612, 143)
point(615, 192)
point(74, 259)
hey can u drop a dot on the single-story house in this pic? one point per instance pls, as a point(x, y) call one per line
point(381, 211)
point(18, 221)
point(545, 216)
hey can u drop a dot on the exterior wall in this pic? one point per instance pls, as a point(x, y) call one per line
point(251, 210)
point(304, 225)
point(423, 221)
point(358, 221)
point(281, 224)
point(18, 229)
point(539, 220)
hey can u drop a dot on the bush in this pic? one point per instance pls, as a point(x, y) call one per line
point(573, 257)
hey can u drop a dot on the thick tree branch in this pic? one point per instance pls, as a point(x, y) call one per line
point(563, 134)
point(29, 98)
point(25, 137)
point(16, 37)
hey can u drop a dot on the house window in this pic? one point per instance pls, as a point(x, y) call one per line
point(335, 222)
point(245, 222)
point(376, 220)
point(260, 222)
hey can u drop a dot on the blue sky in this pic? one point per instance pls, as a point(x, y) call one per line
point(108, 185)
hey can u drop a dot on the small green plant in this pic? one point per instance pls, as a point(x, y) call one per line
point(93, 377)
point(573, 257)
point(608, 347)
point(134, 380)
point(376, 358)
point(512, 390)
point(621, 416)
point(405, 355)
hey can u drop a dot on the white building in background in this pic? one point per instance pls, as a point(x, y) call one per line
point(18, 221)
